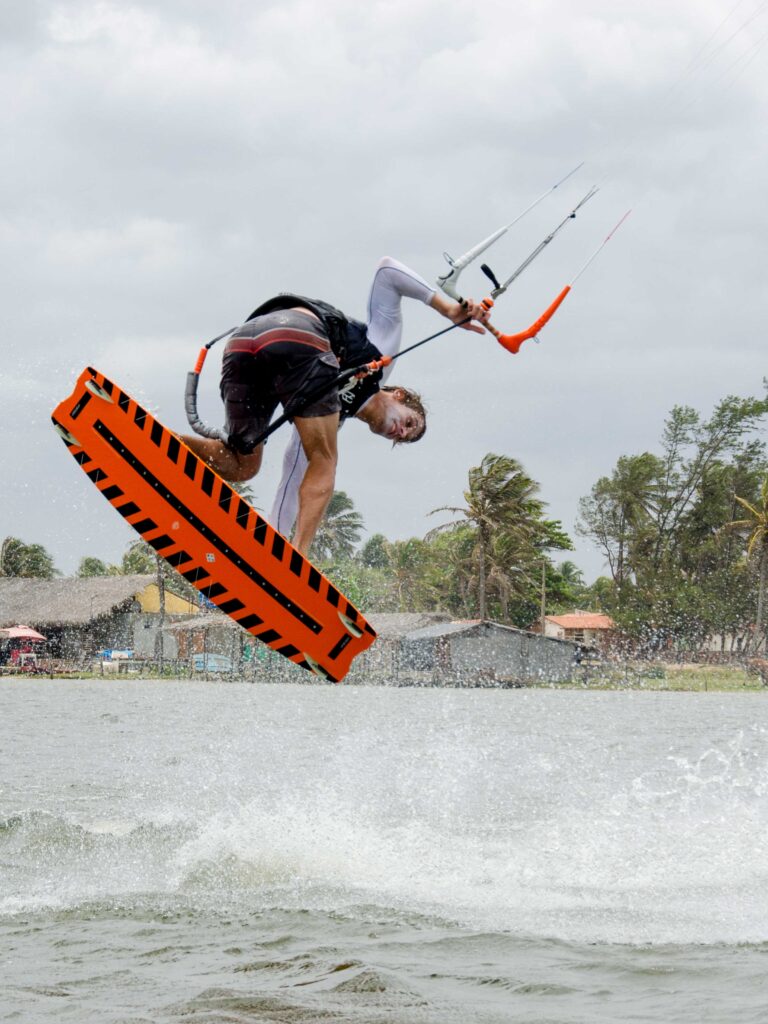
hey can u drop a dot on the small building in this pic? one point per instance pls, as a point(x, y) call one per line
point(435, 650)
point(214, 642)
point(82, 616)
point(411, 649)
point(589, 629)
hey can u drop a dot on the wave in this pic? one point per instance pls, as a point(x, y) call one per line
point(678, 855)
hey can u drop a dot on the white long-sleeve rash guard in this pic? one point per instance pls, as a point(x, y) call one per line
point(392, 282)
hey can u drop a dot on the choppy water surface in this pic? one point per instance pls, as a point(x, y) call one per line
point(198, 852)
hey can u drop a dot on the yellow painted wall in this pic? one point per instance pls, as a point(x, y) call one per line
point(149, 599)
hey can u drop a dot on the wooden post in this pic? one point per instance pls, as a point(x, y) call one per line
point(543, 596)
point(159, 637)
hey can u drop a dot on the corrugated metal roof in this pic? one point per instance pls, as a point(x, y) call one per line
point(439, 629)
point(390, 625)
point(65, 601)
point(459, 626)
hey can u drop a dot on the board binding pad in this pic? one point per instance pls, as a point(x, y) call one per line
point(207, 532)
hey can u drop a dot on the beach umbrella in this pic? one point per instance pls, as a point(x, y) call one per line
point(21, 633)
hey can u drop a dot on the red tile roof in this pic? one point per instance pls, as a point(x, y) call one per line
point(591, 620)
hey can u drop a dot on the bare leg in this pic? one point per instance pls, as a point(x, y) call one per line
point(226, 462)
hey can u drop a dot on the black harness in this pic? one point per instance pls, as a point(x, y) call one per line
point(349, 342)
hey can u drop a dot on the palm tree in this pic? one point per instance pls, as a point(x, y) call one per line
point(92, 566)
point(756, 525)
point(500, 501)
point(407, 561)
point(339, 530)
point(27, 560)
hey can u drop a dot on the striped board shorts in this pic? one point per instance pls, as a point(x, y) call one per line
point(282, 357)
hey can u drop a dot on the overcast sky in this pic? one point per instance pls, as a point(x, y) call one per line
point(167, 165)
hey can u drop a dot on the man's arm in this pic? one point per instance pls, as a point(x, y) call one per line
point(318, 439)
point(457, 312)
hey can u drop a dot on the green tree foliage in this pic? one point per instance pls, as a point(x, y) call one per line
point(339, 530)
point(141, 559)
point(90, 566)
point(31, 560)
point(755, 526)
point(658, 520)
point(374, 552)
point(408, 564)
point(565, 587)
point(510, 536)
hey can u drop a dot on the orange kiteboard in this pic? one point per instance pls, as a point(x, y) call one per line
point(207, 532)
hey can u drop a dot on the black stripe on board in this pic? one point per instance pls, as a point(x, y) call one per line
point(190, 465)
point(144, 525)
point(315, 578)
point(140, 417)
point(208, 479)
point(332, 597)
point(250, 621)
point(269, 636)
point(108, 386)
point(212, 590)
point(81, 458)
point(196, 575)
point(80, 405)
point(336, 651)
point(123, 401)
point(174, 447)
point(230, 607)
point(278, 546)
point(156, 433)
point(260, 530)
point(242, 513)
point(112, 492)
point(288, 651)
point(296, 563)
point(225, 496)
point(129, 509)
point(158, 543)
point(96, 475)
point(178, 558)
point(205, 531)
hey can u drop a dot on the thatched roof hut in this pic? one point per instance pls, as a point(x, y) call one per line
point(66, 601)
point(80, 616)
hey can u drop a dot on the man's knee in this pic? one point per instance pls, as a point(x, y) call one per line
point(246, 466)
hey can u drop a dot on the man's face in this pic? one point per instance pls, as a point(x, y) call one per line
point(398, 423)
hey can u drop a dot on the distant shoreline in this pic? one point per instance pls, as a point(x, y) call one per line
point(656, 677)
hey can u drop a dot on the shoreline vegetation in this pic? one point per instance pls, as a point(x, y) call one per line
point(655, 676)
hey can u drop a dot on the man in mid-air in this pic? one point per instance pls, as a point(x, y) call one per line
point(284, 353)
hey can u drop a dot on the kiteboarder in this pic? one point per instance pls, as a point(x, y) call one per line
point(283, 353)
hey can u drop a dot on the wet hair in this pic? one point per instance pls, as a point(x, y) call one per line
point(411, 400)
